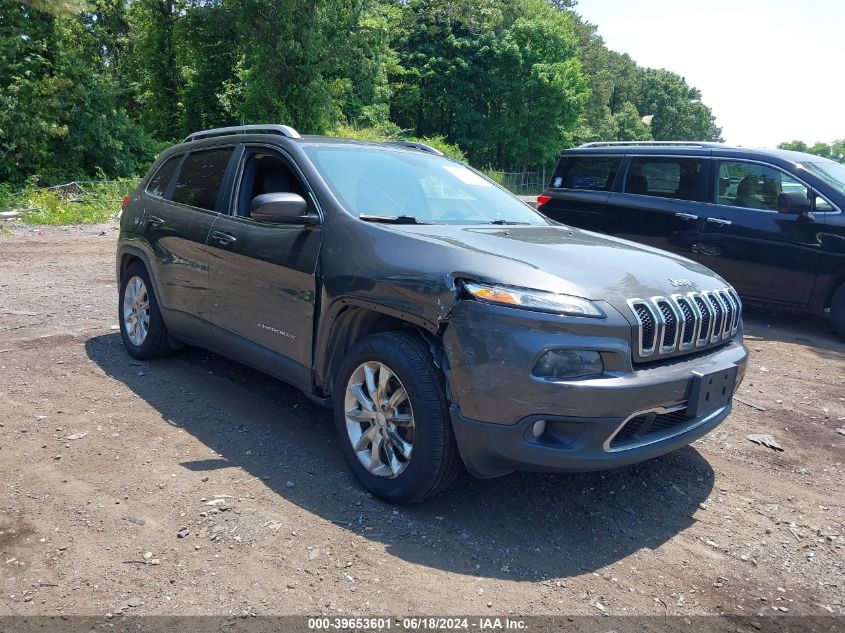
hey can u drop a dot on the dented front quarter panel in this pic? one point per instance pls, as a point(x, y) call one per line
point(492, 351)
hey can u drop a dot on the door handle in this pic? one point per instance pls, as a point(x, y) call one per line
point(720, 221)
point(154, 220)
point(686, 216)
point(223, 238)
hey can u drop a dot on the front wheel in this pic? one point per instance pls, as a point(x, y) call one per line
point(392, 419)
point(837, 310)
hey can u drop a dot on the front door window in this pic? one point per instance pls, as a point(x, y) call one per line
point(753, 186)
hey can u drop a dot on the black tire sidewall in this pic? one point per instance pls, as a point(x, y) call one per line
point(431, 419)
point(151, 347)
point(837, 310)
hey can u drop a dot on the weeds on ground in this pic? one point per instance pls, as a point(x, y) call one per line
point(82, 203)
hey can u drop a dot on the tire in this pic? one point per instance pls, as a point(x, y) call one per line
point(433, 461)
point(837, 310)
point(141, 326)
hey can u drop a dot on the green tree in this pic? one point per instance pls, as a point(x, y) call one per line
point(544, 91)
point(154, 69)
point(311, 63)
point(500, 79)
point(834, 151)
point(207, 52)
point(59, 116)
point(679, 114)
point(614, 81)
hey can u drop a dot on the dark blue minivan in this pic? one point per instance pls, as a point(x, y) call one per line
point(769, 221)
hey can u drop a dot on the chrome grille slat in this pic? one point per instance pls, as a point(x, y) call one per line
point(719, 309)
point(684, 322)
point(688, 324)
point(708, 316)
point(669, 332)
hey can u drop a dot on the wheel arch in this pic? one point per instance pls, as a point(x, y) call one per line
point(351, 321)
point(129, 254)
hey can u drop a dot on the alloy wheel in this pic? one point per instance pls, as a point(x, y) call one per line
point(136, 310)
point(379, 419)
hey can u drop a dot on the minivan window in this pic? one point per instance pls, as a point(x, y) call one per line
point(593, 173)
point(381, 182)
point(753, 186)
point(666, 177)
point(832, 173)
point(158, 183)
point(200, 178)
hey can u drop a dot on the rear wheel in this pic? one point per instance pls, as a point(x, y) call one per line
point(141, 326)
point(837, 310)
point(392, 419)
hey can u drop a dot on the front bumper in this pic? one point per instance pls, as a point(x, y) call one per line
point(496, 401)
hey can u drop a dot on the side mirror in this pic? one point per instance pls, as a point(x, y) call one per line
point(281, 208)
point(793, 203)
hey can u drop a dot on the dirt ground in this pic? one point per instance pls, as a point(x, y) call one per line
point(271, 521)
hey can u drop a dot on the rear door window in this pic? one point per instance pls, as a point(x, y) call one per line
point(159, 182)
point(666, 177)
point(199, 180)
point(591, 173)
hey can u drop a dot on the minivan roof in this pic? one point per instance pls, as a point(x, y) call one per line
point(703, 148)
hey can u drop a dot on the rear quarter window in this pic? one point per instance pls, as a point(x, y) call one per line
point(161, 179)
point(591, 173)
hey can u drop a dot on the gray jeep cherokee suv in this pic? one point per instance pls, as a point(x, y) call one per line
point(445, 321)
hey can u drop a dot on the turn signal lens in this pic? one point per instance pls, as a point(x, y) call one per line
point(533, 299)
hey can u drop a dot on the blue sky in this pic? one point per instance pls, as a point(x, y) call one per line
point(771, 70)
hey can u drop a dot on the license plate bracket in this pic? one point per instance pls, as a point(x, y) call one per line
point(711, 391)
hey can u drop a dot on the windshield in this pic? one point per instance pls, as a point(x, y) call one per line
point(832, 173)
point(380, 182)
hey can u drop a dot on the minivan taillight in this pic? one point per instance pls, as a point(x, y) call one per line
point(542, 199)
point(125, 202)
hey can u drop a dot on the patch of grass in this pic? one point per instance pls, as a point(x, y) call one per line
point(85, 203)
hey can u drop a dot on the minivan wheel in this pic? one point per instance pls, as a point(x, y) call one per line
point(141, 326)
point(837, 310)
point(392, 418)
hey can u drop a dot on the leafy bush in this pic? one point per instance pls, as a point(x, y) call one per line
point(6, 198)
point(86, 203)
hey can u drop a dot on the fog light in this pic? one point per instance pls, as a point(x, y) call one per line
point(539, 428)
point(568, 363)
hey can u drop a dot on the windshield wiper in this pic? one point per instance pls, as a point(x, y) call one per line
point(509, 222)
point(392, 219)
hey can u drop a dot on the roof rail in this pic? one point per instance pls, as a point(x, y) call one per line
point(420, 146)
point(284, 130)
point(649, 144)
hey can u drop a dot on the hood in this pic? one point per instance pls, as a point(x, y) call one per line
point(567, 260)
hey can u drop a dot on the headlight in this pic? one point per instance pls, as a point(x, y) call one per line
point(568, 363)
point(533, 299)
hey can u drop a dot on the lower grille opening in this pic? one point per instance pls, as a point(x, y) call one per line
point(649, 425)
